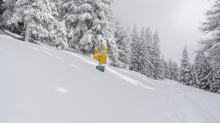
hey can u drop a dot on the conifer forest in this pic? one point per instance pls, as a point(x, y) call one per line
point(82, 26)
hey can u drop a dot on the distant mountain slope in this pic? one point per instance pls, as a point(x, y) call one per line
point(42, 84)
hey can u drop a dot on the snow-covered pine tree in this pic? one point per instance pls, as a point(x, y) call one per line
point(6, 11)
point(175, 71)
point(162, 75)
point(167, 71)
point(149, 39)
point(1, 11)
point(144, 56)
point(124, 46)
point(212, 44)
point(78, 15)
point(163, 66)
point(161, 71)
point(193, 79)
point(206, 75)
point(39, 18)
point(135, 65)
point(91, 23)
point(1, 7)
point(185, 69)
point(156, 56)
point(199, 66)
point(215, 64)
point(170, 68)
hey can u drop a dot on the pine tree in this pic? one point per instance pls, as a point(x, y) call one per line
point(1, 7)
point(1, 11)
point(149, 39)
point(170, 68)
point(156, 56)
point(215, 64)
point(175, 71)
point(78, 16)
point(206, 75)
point(142, 52)
point(124, 46)
point(199, 66)
point(144, 58)
point(135, 50)
point(163, 67)
point(90, 24)
point(167, 71)
point(39, 18)
point(162, 74)
point(6, 11)
point(193, 79)
point(212, 44)
point(185, 69)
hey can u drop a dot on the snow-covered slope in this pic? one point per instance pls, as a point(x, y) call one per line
point(40, 84)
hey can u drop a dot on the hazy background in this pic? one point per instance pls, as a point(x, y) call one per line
point(177, 22)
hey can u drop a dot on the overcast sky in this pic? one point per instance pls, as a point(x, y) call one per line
point(177, 22)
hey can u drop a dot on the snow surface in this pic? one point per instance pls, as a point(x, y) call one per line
point(40, 84)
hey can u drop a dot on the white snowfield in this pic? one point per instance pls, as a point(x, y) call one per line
point(40, 84)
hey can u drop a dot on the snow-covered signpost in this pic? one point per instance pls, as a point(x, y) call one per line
point(101, 56)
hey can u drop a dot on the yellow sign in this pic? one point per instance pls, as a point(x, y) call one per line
point(103, 46)
point(102, 61)
point(103, 56)
point(98, 51)
point(107, 51)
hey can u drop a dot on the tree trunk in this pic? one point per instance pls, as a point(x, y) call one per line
point(27, 33)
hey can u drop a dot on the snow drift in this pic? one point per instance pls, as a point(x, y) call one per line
point(40, 84)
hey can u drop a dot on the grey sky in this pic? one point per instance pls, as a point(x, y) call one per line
point(177, 22)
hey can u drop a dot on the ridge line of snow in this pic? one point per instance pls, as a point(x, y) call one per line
point(135, 82)
point(87, 61)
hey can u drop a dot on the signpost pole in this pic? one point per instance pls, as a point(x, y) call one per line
point(101, 57)
point(101, 53)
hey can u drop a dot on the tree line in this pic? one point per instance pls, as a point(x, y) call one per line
point(205, 72)
point(84, 25)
